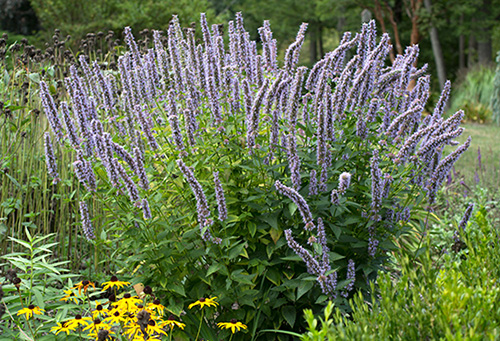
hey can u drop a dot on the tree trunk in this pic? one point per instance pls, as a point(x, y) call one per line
point(471, 51)
point(436, 48)
point(320, 42)
point(461, 46)
point(313, 43)
point(415, 32)
point(484, 49)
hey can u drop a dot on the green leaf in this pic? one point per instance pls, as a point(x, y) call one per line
point(35, 77)
point(303, 288)
point(289, 313)
point(177, 288)
point(214, 268)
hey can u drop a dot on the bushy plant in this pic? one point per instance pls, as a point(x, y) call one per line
point(31, 291)
point(451, 298)
point(473, 94)
point(315, 174)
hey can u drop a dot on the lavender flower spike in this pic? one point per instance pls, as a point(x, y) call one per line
point(87, 227)
point(221, 200)
point(146, 211)
point(466, 217)
point(351, 275)
point(304, 209)
point(312, 264)
point(344, 182)
point(51, 159)
point(201, 199)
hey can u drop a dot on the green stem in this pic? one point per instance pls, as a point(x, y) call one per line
point(199, 327)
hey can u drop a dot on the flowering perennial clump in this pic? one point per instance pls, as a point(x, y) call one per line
point(347, 144)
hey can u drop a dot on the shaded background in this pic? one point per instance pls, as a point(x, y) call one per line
point(454, 35)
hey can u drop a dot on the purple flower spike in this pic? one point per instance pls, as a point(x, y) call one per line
point(88, 229)
point(298, 200)
point(51, 159)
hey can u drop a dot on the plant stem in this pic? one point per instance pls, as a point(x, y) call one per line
point(199, 327)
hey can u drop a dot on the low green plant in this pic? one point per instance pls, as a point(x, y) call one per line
point(32, 289)
point(473, 94)
point(451, 296)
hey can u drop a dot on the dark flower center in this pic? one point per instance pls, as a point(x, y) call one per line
point(156, 302)
point(97, 321)
point(202, 299)
point(85, 283)
point(171, 317)
point(114, 279)
point(99, 307)
point(233, 321)
point(112, 298)
point(152, 323)
point(31, 306)
point(127, 295)
point(78, 317)
point(117, 313)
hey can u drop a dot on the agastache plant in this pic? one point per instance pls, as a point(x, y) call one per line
point(227, 105)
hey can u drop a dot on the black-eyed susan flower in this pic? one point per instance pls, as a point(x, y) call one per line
point(154, 328)
point(128, 302)
point(79, 321)
point(62, 327)
point(155, 306)
point(233, 324)
point(102, 334)
point(99, 311)
point(96, 325)
point(115, 316)
point(30, 311)
point(204, 302)
point(171, 322)
point(114, 283)
point(83, 285)
point(132, 330)
point(70, 296)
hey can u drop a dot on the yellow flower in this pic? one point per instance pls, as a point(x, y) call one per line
point(154, 328)
point(155, 306)
point(204, 302)
point(128, 302)
point(70, 296)
point(28, 312)
point(96, 325)
point(99, 311)
point(173, 323)
point(83, 285)
point(233, 325)
point(64, 327)
point(114, 282)
point(79, 321)
point(95, 334)
point(115, 316)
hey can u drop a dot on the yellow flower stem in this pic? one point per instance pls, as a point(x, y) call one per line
point(88, 298)
point(22, 306)
point(232, 334)
point(199, 327)
point(171, 332)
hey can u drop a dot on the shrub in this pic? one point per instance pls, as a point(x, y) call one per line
point(474, 93)
point(315, 174)
point(449, 298)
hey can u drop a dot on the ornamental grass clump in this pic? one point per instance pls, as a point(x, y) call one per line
point(186, 130)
